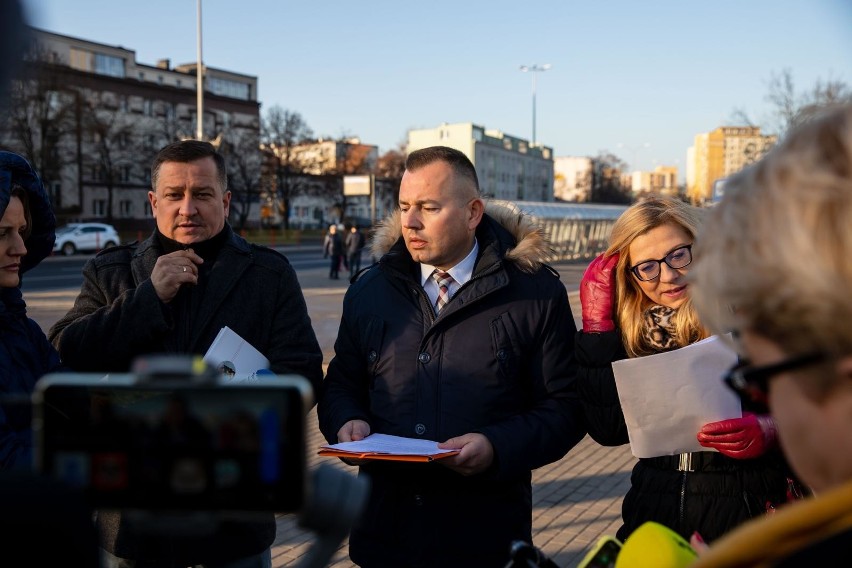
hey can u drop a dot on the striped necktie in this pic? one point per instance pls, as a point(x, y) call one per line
point(444, 280)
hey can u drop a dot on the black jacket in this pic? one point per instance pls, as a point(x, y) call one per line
point(497, 361)
point(720, 492)
point(118, 316)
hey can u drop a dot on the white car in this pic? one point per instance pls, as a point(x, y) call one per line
point(84, 237)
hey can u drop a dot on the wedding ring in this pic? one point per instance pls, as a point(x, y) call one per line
point(184, 269)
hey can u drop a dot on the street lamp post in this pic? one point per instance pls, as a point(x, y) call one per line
point(534, 68)
point(199, 91)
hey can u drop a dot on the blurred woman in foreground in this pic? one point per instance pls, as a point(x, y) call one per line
point(774, 267)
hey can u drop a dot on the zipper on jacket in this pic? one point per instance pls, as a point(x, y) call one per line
point(685, 466)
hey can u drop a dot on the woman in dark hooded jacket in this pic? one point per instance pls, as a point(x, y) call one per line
point(27, 233)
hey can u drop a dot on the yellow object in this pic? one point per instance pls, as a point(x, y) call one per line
point(603, 555)
point(653, 544)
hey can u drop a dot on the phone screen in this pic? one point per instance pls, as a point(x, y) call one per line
point(196, 448)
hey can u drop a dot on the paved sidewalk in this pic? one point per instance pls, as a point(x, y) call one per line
point(575, 500)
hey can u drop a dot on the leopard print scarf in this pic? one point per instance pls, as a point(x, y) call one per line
point(658, 329)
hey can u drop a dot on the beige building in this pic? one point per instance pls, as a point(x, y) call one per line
point(572, 178)
point(662, 180)
point(507, 167)
point(109, 114)
point(348, 156)
point(720, 153)
point(315, 205)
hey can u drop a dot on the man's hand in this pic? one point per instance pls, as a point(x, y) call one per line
point(741, 438)
point(353, 431)
point(172, 271)
point(597, 294)
point(477, 454)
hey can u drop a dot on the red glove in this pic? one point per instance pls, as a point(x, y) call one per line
point(741, 438)
point(597, 294)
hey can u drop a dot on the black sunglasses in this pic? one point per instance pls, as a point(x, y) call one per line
point(752, 383)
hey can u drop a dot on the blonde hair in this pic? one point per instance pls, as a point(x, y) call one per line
point(631, 301)
point(775, 256)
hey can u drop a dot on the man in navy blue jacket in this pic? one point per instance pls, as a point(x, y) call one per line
point(461, 335)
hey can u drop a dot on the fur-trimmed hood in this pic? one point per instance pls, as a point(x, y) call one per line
point(530, 251)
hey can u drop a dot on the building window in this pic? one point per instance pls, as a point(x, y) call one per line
point(125, 208)
point(147, 107)
point(227, 88)
point(80, 59)
point(99, 207)
point(109, 65)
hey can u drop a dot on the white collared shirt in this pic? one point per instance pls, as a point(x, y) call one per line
point(461, 273)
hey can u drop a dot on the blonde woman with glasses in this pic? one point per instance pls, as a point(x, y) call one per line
point(776, 270)
point(636, 302)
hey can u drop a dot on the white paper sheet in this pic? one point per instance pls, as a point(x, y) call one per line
point(666, 398)
point(387, 444)
point(230, 346)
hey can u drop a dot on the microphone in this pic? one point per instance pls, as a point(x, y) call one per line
point(653, 544)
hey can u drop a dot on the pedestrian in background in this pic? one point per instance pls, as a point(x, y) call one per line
point(636, 302)
point(332, 247)
point(354, 244)
point(462, 336)
point(173, 293)
point(773, 269)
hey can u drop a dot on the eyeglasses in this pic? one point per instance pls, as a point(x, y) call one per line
point(650, 269)
point(752, 383)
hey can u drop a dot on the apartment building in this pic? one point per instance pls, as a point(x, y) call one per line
point(507, 167)
point(720, 153)
point(662, 180)
point(319, 167)
point(572, 178)
point(108, 114)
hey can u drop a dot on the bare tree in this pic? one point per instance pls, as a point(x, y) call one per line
point(114, 139)
point(281, 131)
point(606, 179)
point(389, 170)
point(242, 158)
point(39, 119)
point(789, 108)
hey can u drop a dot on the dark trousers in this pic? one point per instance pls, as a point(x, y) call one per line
point(335, 266)
point(354, 262)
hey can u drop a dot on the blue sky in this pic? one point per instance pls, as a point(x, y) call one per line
point(623, 71)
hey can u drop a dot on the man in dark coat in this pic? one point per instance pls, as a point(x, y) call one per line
point(332, 247)
point(354, 244)
point(490, 373)
point(172, 293)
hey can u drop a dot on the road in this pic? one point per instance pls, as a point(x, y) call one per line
point(62, 272)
